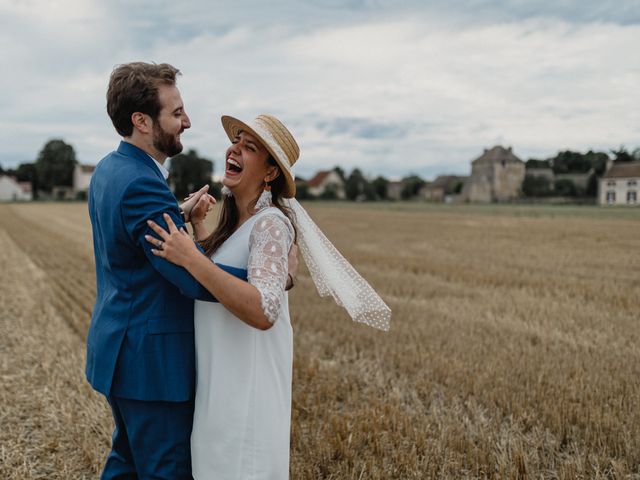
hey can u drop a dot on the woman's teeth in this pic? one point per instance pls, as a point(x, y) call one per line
point(233, 166)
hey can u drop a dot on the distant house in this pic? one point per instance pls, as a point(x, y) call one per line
point(394, 189)
point(496, 176)
point(445, 188)
point(27, 188)
point(12, 190)
point(327, 182)
point(620, 183)
point(81, 179)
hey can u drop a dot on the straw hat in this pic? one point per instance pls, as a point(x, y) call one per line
point(275, 137)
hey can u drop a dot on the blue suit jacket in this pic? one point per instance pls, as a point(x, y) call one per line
point(140, 343)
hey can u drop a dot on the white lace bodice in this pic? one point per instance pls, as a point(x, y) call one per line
point(269, 243)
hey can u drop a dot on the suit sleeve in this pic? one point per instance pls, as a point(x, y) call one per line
point(147, 198)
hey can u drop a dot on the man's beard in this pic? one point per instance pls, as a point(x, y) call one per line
point(165, 142)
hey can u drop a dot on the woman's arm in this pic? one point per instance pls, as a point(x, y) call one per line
point(239, 297)
point(270, 240)
point(200, 232)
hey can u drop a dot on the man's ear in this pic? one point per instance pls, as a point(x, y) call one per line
point(142, 122)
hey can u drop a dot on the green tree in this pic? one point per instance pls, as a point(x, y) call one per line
point(302, 192)
point(412, 185)
point(27, 172)
point(368, 192)
point(592, 186)
point(380, 188)
point(354, 186)
point(341, 173)
point(215, 189)
point(598, 161)
point(533, 163)
point(189, 172)
point(330, 192)
point(565, 188)
point(622, 155)
point(536, 186)
point(55, 164)
point(570, 162)
point(357, 187)
point(456, 188)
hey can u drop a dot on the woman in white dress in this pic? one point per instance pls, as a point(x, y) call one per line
point(244, 343)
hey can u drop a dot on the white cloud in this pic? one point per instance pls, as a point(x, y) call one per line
point(411, 91)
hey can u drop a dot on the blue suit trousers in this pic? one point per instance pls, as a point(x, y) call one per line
point(150, 440)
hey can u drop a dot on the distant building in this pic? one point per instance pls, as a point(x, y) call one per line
point(445, 188)
point(81, 179)
point(496, 176)
point(544, 172)
point(394, 189)
point(327, 182)
point(620, 183)
point(579, 180)
point(12, 190)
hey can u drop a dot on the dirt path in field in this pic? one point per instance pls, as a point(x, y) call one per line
point(52, 422)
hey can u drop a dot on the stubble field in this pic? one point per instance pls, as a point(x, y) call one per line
point(514, 350)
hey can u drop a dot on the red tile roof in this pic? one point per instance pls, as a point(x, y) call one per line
point(318, 178)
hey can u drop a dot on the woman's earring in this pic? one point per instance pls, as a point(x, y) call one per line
point(264, 200)
point(226, 191)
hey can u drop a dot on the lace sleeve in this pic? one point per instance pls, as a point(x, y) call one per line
point(269, 245)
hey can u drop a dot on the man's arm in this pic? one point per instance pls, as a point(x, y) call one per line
point(145, 199)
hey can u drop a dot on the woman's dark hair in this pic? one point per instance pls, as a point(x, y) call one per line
point(228, 221)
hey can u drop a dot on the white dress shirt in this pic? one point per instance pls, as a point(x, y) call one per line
point(163, 171)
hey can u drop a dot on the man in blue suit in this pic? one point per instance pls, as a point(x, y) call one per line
point(140, 346)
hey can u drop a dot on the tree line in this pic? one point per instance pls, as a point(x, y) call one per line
point(55, 164)
point(569, 162)
point(56, 161)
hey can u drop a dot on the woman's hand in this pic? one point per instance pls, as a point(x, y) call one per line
point(175, 245)
point(200, 210)
point(193, 199)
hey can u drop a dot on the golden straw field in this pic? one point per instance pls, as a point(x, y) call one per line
point(514, 350)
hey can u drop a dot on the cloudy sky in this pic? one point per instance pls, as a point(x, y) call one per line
point(390, 86)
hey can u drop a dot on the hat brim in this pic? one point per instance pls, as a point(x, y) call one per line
point(233, 126)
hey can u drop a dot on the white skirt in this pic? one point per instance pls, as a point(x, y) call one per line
point(242, 418)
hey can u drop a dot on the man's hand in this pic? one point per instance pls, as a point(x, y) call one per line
point(193, 199)
point(293, 267)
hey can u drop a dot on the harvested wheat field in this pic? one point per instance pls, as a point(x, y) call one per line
point(514, 350)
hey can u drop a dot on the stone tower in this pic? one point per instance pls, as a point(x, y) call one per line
point(496, 176)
